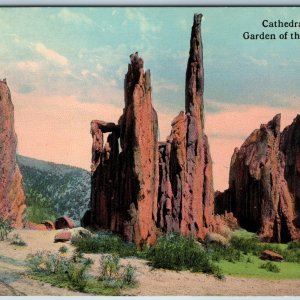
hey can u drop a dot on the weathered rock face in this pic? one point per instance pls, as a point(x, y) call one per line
point(186, 202)
point(125, 184)
point(139, 164)
point(258, 193)
point(132, 193)
point(12, 196)
point(290, 146)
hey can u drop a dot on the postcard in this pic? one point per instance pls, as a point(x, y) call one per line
point(149, 151)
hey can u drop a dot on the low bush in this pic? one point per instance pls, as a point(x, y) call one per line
point(17, 240)
point(215, 239)
point(252, 245)
point(63, 249)
point(109, 266)
point(291, 255)
point(249, 259)
point(271, 267)
point(67, 272)
point(177, 252)
point(72, 272)
point(111, 274)
point(294, 245)
point(5, 229)
point(129, 276)
point(246, 244)
point(104, 243)
point(229, 253)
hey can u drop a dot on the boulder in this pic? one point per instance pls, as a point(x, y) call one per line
point(49, 225)
point(63, 236)
point(271, 255)
point(34, 226)
point(64, 222)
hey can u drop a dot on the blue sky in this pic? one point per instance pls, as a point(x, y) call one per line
point(55, 57)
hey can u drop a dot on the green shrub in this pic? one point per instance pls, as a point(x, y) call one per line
point(111, 275)
point(77, 272)
point(129, 276)
point(40, 208)
point(249, 259)
point(294, 245)
point(291, 255)
point(176, 252)
point(109, 266)
point(5, 229)
point(72, 272)
point(104, 243)
point(271, 267)
point(251, 245)
point(219, 252)
point(17, 240)
point(247, 245)
point(63, 249)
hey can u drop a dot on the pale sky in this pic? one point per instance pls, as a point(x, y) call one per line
point(66, 66)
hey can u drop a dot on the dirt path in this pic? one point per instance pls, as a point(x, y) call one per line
point(152, 282)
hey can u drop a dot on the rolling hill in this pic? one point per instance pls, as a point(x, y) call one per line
point(66, 188)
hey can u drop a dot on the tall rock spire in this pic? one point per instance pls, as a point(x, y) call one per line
point(125, 180)
point(12, 195)
point(186, 202)
point(194, 84)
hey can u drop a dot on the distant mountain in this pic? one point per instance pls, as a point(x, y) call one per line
point(68, 187)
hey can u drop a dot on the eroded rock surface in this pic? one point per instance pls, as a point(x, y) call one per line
point(125, 183)
point(12, 196)
point(140, 186)
point(290, 146)
point(258, 193)
point(186, 202)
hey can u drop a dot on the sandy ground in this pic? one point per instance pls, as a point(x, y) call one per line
point(152, 282)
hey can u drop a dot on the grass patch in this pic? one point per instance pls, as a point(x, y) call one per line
point(252, 269)
point(104, 242)
point(93, 286)
point(72, 273)
point(250, 244)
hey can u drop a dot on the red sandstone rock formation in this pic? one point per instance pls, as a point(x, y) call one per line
point(64, 222)
point(258, 192)
point(186, 201)
point(139, 166)
point(62, 237)
point(271, 255)
point(35, 226)
point(125, 184)
point(290, 146)
point(12, 196)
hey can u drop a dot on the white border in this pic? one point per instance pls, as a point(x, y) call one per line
point(149, 3)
